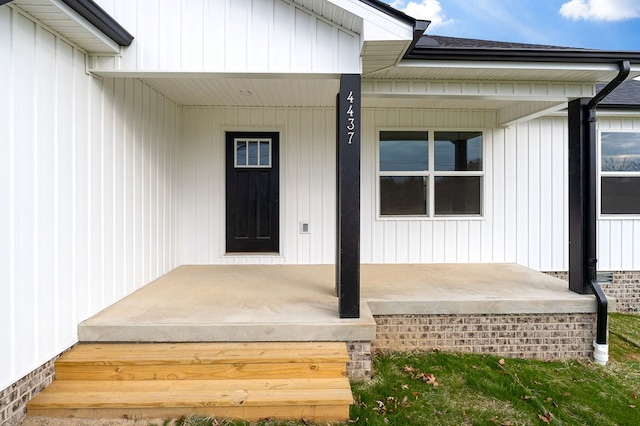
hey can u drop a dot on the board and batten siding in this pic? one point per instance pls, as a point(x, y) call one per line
point(619, 238)
point(90, 175)
point(525, 182)
point(525, 190)
point(307, 182)
point(229, 36)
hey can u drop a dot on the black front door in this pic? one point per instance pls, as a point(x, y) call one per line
point(252, 192)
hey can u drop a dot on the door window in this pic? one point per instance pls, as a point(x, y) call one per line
point(252, 153)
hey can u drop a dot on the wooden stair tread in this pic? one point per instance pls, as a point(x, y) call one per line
point(204, 353)
point(316, 413)
point(248, 381)
point(70, 371)
point(193, 393)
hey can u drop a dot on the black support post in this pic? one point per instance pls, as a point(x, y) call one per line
point(348, 197)
point(582, 196)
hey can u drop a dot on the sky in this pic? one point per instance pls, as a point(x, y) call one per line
point(593, 24)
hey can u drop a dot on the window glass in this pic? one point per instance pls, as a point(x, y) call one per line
point(457, 195)
point(265, 159)
point(403, 195)
point(620, 195)
point(404, 151)
point(430, 173)
point(241, 153)
point(253, 153)
point(458, 151)
point(620, 151)
point(620, 173)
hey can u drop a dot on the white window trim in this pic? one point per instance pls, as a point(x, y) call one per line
point(601, 174)
point(430, 174)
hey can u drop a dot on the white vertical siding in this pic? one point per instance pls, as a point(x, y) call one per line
point(230, 36)
point(619, 239)
point(525, 191)
point(307, 182)
point(90, 189)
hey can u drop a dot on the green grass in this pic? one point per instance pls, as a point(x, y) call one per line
point(454, 389)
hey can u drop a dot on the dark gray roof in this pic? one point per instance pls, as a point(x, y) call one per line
point(434, 47)
point(443, 41)
point(627, 95)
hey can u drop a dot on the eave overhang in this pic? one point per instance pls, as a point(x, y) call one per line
point(82, 22)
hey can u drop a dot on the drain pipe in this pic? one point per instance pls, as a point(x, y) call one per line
point(600, 344)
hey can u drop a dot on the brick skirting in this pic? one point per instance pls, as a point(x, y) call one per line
point(625, 288)
point(541, 336)
point(359, 365)
point(13, 400)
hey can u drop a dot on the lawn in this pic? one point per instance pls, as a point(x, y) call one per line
point(454, 389)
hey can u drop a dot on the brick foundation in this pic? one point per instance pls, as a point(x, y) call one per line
point(359, 365)
point(13, 400)
point(625, 288)
point(541, 336)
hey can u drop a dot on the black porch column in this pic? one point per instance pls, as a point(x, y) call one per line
point(348, 197)
point(582, 196)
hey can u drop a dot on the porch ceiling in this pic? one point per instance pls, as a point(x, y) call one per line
point(281, 91)
point(315, 91)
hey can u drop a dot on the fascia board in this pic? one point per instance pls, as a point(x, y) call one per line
point(515, 66)
point(508, 65)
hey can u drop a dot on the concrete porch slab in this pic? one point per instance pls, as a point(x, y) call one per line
point(232, 303)
point(297, 302)
point(487, 288)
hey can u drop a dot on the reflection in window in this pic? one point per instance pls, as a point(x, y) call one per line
point(458, 151)
point(620, 173)
point(620, 152)
point(404, 151)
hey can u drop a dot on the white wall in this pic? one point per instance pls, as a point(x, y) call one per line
point(90, 187)
point(230, 36)
point(525, 190)
point(307, 182)
point(525, 207)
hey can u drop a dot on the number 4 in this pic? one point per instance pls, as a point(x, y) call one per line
point(350, 97)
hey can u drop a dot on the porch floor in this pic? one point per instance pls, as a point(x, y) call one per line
point(297, 302)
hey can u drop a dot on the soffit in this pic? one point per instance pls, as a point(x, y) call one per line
point(68, 23)
point(249, 92)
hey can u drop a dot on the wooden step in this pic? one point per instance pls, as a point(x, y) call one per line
point(186, 361)
point(205, 353)
point(249, 381)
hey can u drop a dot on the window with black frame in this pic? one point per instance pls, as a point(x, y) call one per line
point(619, 173)
point(430, 173)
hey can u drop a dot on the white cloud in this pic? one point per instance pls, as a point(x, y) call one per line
point(430, 10)
point(601, 10)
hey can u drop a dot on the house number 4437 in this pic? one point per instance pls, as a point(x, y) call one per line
point(351, 121)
